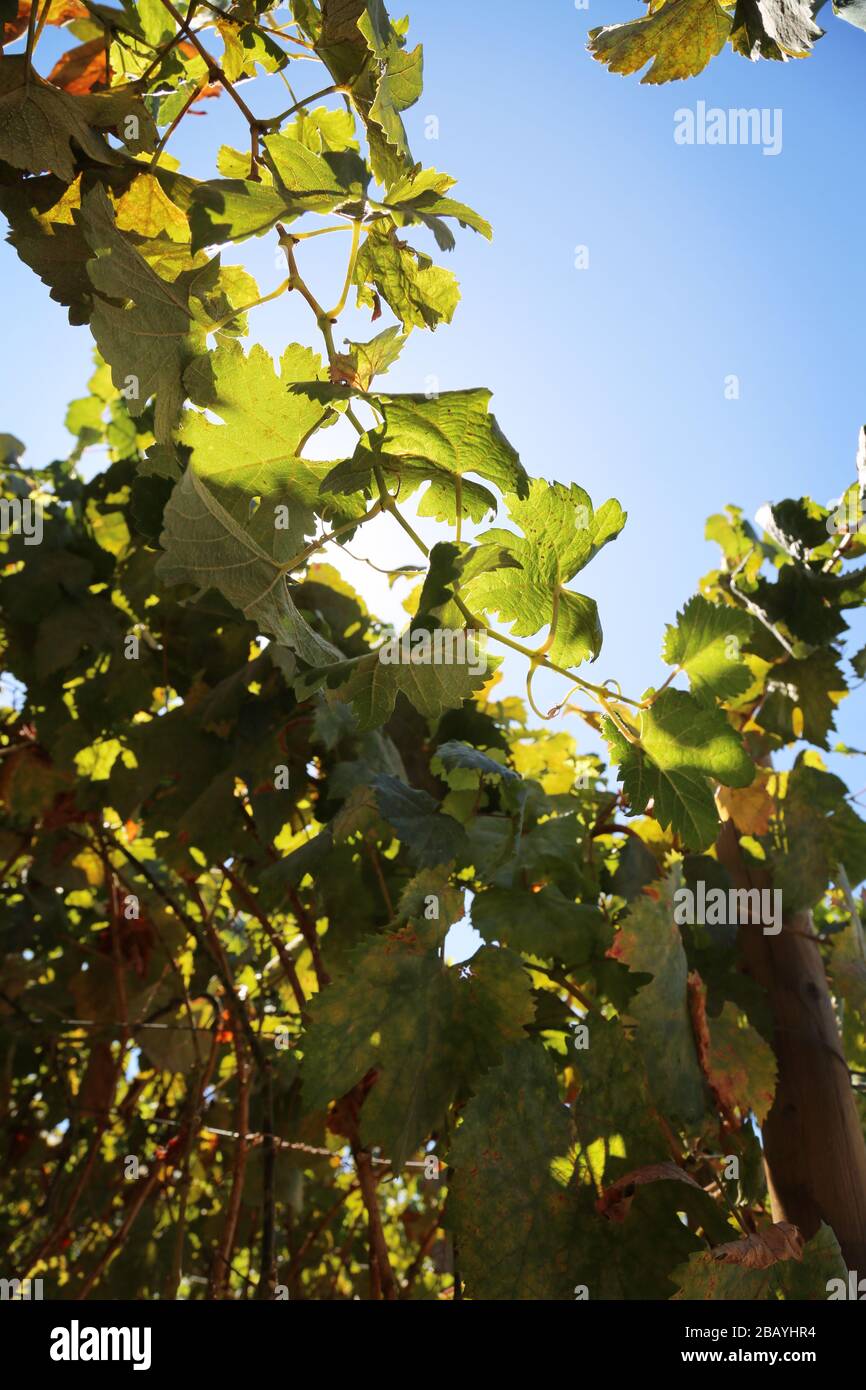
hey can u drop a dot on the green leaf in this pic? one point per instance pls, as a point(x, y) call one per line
point(778, 29)
point(741, 1066)
point(846, 970)
point(683, 745)
point(365, 53)
point(40, 122)
point(725, 1273)
point(211, 540)
point(706, 645)
point(430, 835)
point(450, 565)
point(430, 884)
point(807, 1279)
point(431, 689)
point(375, 357)
point(515, 1224)
point(614, 1103)
point(420, 294)
point(400, 80)
point(561, 534)
point(253, 456)
point(421, 197)
point(247, 46)
point(233, 210)
point(440, 499)
point(814, 830)
point(42, 228)
point(454, 758)
point(438, 440)
point(649, 941)
point(802, 697)
point(451, 434)
point(314, 182)
point(543, 924)
point(149, 343)
point(323, 131)
point(428, 1030)
point(679, 38)
point(798, 527)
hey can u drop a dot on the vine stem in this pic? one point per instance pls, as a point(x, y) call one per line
point(597, 691)
point(245, 308)
point(353, 256)
point(297, 281)
point(31, 37)
point(299, 106)
point(381, 1273)
point(322, 231)
point(390, 506)
point(322, 541)
point(217, 74)
point(222, 1261)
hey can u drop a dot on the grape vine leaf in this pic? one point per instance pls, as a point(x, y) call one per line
point(42, 229)
point(427, 1029)
point(815, 828)
point(516, 1225)
point(453, 433)
point(439, 440)
point(39, 123)
point(399, 85)
point(431, 836)
point(706, 643)
point(544, 924)
point(210, 539)
point(421, 294)
point(561, 534)
point(421, 196)
point(683, 745)
point(367, 55)
point(150, 343)
point(614, 1104)
point(234, 209)
point(776, 29)
point(322, 130)
point(649, 941)
point(679, 38)
point(372, 686)
point(738, 1063)
point(802, 697)
point(253, 458)
point(366, 360)
point(764, 1266)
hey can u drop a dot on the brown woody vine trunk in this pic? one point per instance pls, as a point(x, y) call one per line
point(814, 1150)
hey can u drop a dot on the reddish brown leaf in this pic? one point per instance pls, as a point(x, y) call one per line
point(61, 12)
point(737, 1063)
point(82, 69)
point(615, 1201)
point(780, 1242)
point(697, 996)
point(343, 372)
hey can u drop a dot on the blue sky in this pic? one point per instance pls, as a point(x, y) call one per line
point(703, 262)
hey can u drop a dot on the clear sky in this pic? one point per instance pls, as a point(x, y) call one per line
point(704, 262)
